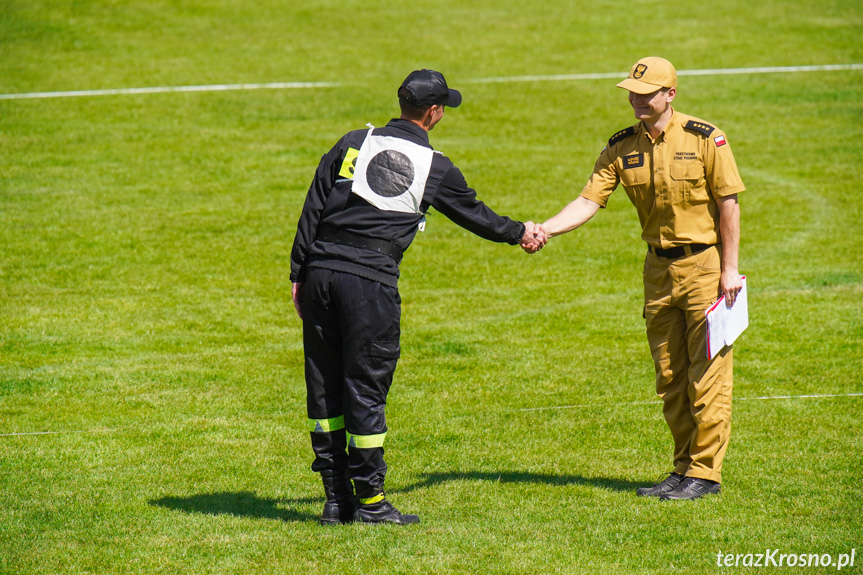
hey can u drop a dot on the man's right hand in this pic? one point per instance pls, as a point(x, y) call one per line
point(534, 238)
point(296, 294)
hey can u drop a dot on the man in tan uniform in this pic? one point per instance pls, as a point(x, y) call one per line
point(680, 175)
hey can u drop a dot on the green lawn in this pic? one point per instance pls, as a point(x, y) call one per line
point(152, 406)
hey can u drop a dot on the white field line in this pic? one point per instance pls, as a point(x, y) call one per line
point(167, 89)
point(708, 72)
point(492, 80)
point(657, 402)
point(57, 432)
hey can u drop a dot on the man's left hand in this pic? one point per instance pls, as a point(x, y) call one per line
point(730, 284)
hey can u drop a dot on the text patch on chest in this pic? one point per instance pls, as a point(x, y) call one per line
point(685, 156)
point(633, 161)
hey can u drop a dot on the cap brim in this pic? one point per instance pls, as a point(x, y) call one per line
point(453, 99)
point(638, 86)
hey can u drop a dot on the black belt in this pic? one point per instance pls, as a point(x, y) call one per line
point(346, 238)
point(678, 252)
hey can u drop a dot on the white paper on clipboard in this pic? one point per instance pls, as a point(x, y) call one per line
point(725, 324)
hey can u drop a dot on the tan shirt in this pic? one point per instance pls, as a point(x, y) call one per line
point(672, 181)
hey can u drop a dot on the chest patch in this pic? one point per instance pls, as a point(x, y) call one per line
point(391, 173)
point(633, 161)
point(688, 156)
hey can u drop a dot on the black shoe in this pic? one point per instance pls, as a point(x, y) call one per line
point(664, 486)
point(339, 507)
point(337, 512)
point(382, 512)
point(692, 488)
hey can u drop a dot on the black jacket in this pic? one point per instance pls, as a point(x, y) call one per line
point(330, 204)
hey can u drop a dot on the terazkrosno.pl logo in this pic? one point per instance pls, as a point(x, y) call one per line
point(774, 558)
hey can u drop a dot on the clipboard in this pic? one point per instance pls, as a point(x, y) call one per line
point(725, 324)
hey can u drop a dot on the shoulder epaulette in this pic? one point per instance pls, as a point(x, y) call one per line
point(630, 131)
point(699, 127)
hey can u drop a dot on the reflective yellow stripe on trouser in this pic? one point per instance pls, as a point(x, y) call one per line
point(366, 441)
point(326, 425)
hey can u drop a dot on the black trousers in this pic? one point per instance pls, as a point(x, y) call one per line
point(351, 340)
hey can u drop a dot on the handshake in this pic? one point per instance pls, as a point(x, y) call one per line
point(535, 237)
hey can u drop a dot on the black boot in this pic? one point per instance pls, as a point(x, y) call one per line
point(339, 507)
point(382, 511)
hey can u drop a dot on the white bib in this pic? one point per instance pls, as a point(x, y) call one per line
point(391, 173)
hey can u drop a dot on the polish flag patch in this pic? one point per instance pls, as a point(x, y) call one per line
point(720, 141)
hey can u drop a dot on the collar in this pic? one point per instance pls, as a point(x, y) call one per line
point(672, 125)
point(410, 127)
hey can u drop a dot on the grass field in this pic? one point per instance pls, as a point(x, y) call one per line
point(152, 411)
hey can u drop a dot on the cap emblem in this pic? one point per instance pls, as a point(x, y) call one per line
point(639, 71)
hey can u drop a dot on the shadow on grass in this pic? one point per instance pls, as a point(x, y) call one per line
point(241, 504)
point(247, 504)
point(433, 479)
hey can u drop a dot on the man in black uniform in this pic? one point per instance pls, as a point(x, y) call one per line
point(366, 203)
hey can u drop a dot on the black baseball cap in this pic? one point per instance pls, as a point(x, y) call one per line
point(428, 88)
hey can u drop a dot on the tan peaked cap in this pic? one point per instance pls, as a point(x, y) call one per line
point(649, 75)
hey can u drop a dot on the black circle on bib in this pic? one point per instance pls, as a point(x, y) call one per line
point(390, 173)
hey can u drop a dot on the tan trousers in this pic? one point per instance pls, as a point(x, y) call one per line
point(696, 393)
